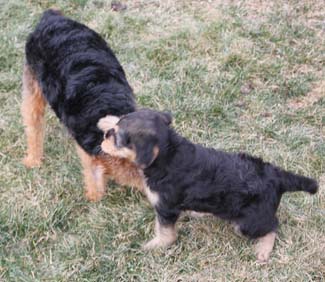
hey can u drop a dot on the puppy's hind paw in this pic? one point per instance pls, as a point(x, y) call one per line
point(155, 243)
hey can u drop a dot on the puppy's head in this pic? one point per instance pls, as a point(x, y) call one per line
point(138, 136)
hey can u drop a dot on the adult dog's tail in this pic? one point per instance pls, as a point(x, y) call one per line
point(291, 182)
point(53, 11)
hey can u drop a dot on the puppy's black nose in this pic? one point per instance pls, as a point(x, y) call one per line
point(110, 133)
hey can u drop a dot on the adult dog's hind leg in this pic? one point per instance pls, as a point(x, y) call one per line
point(94, 176)
point(33, 110)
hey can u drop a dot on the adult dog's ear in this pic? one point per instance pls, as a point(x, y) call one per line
point(146, 154)
point(167, 117)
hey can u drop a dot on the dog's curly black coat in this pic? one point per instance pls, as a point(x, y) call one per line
point(234, 186)
point(79, 75)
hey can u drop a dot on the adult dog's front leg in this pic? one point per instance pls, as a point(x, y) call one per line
point(94, 176)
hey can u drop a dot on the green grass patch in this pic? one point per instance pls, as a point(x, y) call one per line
point(229, 72)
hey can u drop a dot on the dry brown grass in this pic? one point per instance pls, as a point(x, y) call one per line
point(313, 96)
point(237, 75)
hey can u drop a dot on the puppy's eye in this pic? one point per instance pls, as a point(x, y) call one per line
point(128, 141)
point(109, 133)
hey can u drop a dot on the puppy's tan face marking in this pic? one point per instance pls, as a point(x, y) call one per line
point(107, 124)
point(109, 147)
point(135, 136)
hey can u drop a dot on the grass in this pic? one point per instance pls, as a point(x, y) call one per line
point(237, 75)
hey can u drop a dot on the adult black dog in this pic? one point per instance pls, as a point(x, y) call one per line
point(71, 67)
point(183, 176)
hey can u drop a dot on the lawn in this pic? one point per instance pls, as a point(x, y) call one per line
point(237, 75)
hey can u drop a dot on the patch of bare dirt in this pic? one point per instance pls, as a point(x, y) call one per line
point(312, 97)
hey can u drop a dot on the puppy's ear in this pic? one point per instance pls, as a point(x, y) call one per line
point(122, 139)
point(146, 154)
point(107, 123)
point(167, 117)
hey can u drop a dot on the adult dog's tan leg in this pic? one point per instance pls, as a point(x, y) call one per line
point(33, 110)
point(94, 175)
point(264, 247)
point(122, 171)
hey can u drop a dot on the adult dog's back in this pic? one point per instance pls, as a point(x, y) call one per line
point(71, 67)
point(79, 76)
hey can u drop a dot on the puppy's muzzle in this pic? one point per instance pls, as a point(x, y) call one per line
point(112, 134)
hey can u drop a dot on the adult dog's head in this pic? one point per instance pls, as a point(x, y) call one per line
point(138, 136)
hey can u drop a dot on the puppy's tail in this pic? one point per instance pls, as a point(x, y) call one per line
point(291, 182)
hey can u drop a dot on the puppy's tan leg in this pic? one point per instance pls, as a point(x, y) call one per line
point(165, 236)
point(94, 176)
point(33, 110)
point(264, 247)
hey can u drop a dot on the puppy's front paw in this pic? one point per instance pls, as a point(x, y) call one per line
point(262, 253)
point(262, 257)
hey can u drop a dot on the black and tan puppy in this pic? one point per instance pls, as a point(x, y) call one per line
point(70, 67)
point(183, 176)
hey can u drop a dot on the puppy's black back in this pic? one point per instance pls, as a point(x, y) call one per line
point(237, 187)
point(79, 75)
